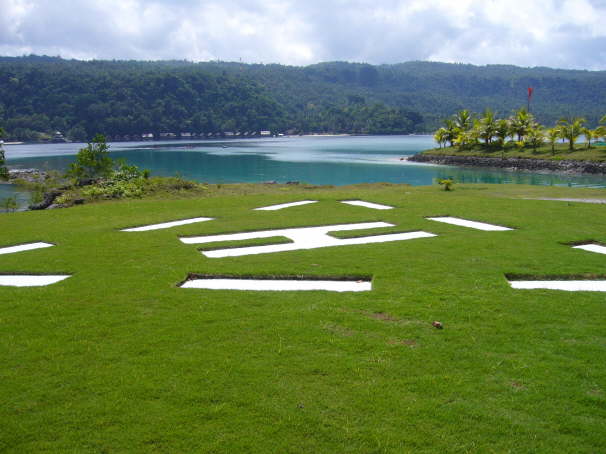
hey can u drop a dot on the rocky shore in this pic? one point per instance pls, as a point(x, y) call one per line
point(30, 175)
point(527, 164)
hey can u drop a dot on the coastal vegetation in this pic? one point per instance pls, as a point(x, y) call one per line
point(118, 358)
point(95, 176)
point(519, 135)
point(126, 99)
point(3, 169)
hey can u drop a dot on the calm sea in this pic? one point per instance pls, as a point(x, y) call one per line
point(337, 160)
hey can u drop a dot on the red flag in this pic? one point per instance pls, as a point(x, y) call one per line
point(530, 90)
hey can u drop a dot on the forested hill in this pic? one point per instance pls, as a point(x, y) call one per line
point(119, 98)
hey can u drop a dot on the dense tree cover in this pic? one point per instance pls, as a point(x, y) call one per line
point(465, 130)
point(81, 99)
point(117, 98)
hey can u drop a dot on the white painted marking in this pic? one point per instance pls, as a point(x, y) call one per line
point(362, 203)
point(24, 247)
point(165, 225)
point(30, 281)
point(592, 248)
point(278, 285)
point(570, 286)
point(303, 238)
point(470, 224)
point(285, 205)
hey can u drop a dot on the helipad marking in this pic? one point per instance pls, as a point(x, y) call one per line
point(592, 248)
point(278, 285)
point(362, 203)
point(570, 286)
point(303, 238)
point(285, 205)
point(31, 280)
point(24, 247)
point(165, 225)
point(470, 224)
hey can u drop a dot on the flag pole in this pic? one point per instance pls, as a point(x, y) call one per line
point(530, 90)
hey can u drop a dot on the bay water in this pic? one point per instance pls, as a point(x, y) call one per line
point(336, 160)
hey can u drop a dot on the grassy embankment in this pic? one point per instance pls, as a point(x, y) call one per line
point(562, 152)
point(118, 359)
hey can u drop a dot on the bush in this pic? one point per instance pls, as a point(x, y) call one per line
point(92, 162)
point(447, 183)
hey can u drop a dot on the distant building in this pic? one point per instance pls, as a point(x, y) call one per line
point(58, 138)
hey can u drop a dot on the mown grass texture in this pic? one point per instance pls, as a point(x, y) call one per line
point(117, 358)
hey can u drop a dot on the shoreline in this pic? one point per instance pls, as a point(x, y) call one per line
point(568, 166)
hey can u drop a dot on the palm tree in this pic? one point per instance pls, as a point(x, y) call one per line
point(451, 131)
point(603, 120)
point(590, 134)
point(463, 120)
point(521, 123)
point(441, 136)
point(535, 137)
point(553, 134)
point(502, 131)
point(570, 130)
point(487, 126)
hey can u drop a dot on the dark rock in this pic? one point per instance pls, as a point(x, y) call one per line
point(527, 164)
point(49, 198)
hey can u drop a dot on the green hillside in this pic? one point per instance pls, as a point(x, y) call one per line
point(118, 98)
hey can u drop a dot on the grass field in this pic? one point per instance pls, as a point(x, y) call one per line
point(118, 359)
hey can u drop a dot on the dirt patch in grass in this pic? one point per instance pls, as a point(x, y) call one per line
point(407, 342)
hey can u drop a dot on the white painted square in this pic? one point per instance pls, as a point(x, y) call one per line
point(165, 225)
point(24, 247)
point(570, 286)
point(285, 205)
point(30, 281)
point(302, 238)
point(278, 285)
point(362, 203)
point(470, 224)
point(592, 248)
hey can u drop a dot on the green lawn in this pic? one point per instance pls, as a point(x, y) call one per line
point(561, 152)
point(118, 359)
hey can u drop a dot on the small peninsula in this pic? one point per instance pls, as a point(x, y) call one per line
point(519, 143)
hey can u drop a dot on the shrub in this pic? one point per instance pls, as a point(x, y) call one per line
point(92, 162)
point(447, 183)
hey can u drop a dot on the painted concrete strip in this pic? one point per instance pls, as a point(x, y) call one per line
point(165, 225)
point(24, 247)
point(362, 203)
point(278, 285)
point(30, 281)
point(570, 286)
point(592, 248)
point(470, 224)
point(285, 205)
point(302, 238)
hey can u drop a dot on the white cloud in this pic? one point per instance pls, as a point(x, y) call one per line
point(561, 33)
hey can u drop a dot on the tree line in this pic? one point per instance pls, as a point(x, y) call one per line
point(465, 130)
point(39, 96)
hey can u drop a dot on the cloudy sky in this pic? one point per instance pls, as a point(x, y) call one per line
point(556, 33)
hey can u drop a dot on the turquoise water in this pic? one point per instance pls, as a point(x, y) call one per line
point(334, 160)
point(9, 190)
